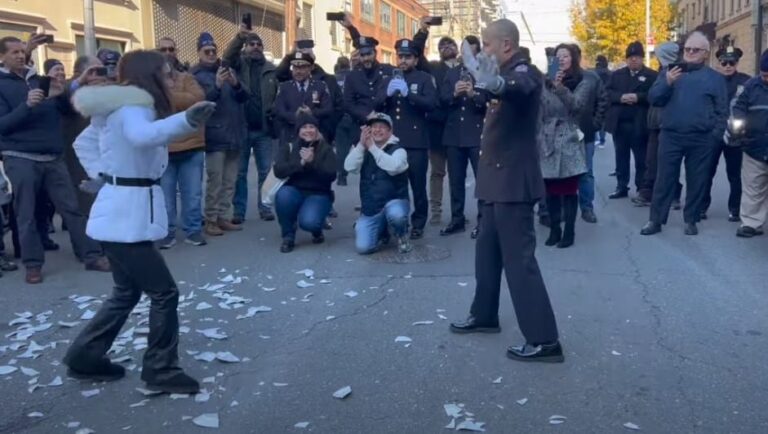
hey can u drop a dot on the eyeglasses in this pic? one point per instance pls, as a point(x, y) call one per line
point(694, 50)
point(725, 63)
point(167, 49)
point(209, 52)
point(255, 44)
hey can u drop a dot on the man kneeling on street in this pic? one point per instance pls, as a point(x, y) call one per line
point(382, 164)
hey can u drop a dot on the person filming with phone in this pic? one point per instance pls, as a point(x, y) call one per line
point(32, 145)
point(694, 98)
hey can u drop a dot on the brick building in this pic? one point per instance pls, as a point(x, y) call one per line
point(461, 18)
point(385, 20)
point(724, 21)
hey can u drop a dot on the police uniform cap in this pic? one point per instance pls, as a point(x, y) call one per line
point(729, 53)
point(405, 46)
point(367, 44)
point(299, 58)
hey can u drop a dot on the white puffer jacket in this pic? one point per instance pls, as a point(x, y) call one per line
point(124, 140)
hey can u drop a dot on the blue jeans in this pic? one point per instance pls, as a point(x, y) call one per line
point(587, 180)
point(601, 137)
point(185, 172)
point(261, 144)
point(369, 229)
point(309, 210)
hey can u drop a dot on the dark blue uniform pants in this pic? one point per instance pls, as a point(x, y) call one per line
point(507, 241)
point(695, 151)
point(418, 164)
point(733, 158)
point(458, 159)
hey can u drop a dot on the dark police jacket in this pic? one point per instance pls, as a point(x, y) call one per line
point(377, 187)
point(362, 91)
point(622, 82)
point(465, 115)
point(752, 107)
point(509, 170)
point(409, 113)
point(290, 98)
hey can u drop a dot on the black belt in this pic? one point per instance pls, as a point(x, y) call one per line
point(129, 182)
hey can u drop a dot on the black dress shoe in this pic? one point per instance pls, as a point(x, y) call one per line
point(341, 181)
point(549, 353)
point(49, 245)
point(237, 220)
point(475, 232)
point(640, 202)
point(453, 228)
point(619, 194)
point(179, 383)
point(470, 325)
point(318, 239)
point(650, 228)
point(703, 215)
point(676, 205)
point(691, 229)
point(106, 371)
point(612, 174)
point(267, 216)
point(734, 217)
point(748, 232)
point(544, 220)
point(287, 246)
point(417, 234)
point(589, 216)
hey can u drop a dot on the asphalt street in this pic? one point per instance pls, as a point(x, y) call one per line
point(664, 334)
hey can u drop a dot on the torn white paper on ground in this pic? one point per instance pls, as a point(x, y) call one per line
point(66, 324)
point(206, 356)
point(469, 425)
point(90, 393)
point(5, 370)
point(213, 333)
point(203, 305)
point(632, 426)
point(254, 310)
point(227, 357)
point(351, 294)
point(88, 314)
point(497, 381)
point(207, 420)
point(56, 382)
point(304, 284)
point(301, 425)
point(452, 410)
point(342, 393)
point(423, 323)
point(403, 339)
point(557, 419)
point(202, 396)
point(308, 273)
point(522, 401)
point(35, 414)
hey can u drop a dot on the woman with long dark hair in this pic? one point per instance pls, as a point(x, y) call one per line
point(561, 145)
point(125, 152)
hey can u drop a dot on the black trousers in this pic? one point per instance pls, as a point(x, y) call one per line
point(28, 178)
point(346, 131)
point(733, 157)
point(418, 164)
point(629, 142)
point(507, 241)
point(458, 160)
point(695, 151)
point(651, 168)
point(136, 268)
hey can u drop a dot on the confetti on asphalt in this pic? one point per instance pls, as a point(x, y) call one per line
point(203, 306)
point(301, 425)
point(213, 333)
point(400, 339)
point(35, 414)
point(141, 403)
point(497, 381)
point(5, 370)
point(522, 401)
point(68, 324)
point(88, 314)
point(90, 393)
point(351, 294)
point(557, 419)
point(207, 420)
point(304, 284)
point(615, 353)
point(203, 396)
point(176, 396)
point(417, 323)
point(56, 382)
point(632, 426)
point(279, 384)
point(470, 425)
point(342, 393)
point(252, 311)
point(308, 273)
point(206, 356)
point(227, 357)
point(147, 392)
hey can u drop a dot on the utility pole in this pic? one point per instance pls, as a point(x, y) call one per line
point(89, 27)
point(647, 32)
point(757, 22)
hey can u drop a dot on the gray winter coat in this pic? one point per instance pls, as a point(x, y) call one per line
point(561, 150)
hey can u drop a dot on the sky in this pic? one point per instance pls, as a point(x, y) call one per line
point(547, 20)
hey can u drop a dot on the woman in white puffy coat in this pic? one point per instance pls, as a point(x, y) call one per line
point(125, 151)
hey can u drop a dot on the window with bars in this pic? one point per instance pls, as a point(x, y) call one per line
point(306, 22)
point(367, 10)
point(414, 27)
point(401, 24)
point(113, 45)
point(386, 16)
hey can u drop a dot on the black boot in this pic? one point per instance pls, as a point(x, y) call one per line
point(570, 210)
point(554, 206)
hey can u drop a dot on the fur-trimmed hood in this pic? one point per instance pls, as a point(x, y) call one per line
point(103, 100)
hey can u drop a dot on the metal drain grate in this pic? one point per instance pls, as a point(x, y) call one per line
point(420, 253)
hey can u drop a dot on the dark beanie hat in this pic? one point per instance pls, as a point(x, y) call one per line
point(446, 40)
point(205, 40)
point(635, 49)
point(764, 61)
point(601, 61)
point(304, 118)
point(49, 64)
point(253, 37)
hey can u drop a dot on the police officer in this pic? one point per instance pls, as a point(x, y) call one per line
point(729, 60)
point(449, 52)
point(409, 95)
point(304, 93)
point(362, 95)
point(509, 183)
point(465, 107)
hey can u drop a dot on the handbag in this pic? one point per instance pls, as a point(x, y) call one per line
point(272, 185)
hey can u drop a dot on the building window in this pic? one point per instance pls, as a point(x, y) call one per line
point(414, 27)
point(386, 56)
point(386, 16)
point(400, 24)
point(16, 30)
point(367, 10)
point(113, 45)
point(731, 11)
point(348, 5)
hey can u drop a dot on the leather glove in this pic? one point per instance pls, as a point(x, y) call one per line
point(200, 112)
point(92, 186)
point(483, 68)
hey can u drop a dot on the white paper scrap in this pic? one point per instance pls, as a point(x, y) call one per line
point(632, 426)
point(301, 425)
point(90, 393)
point(207, 420)
point(342, 393)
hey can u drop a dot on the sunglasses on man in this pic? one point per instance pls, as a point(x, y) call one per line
point(693, 50)
point(167, 49)
point(725, 63)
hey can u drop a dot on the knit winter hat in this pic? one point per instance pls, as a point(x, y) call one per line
point(50, 64)
point(304, 118)
point(667, 53)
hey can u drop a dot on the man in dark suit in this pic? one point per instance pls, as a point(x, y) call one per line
point(408, 97)
point(627, 117)
point(509, 183)
point(305, 93)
